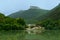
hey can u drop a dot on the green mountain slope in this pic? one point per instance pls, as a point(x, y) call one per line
point(31, 14)
point(53, 14)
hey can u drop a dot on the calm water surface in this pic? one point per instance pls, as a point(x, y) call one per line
point(23, 35)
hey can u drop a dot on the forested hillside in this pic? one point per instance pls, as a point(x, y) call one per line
point(53, 13)
point(30, 15)
point(51, 20)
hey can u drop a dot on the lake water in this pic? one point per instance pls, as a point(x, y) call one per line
point(23, 35)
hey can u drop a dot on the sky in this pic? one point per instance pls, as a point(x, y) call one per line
point(10, 6)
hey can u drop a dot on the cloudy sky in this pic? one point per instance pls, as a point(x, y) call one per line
point(10, 6)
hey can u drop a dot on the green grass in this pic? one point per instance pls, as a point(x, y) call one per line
point(12, 35)
point(19, 35)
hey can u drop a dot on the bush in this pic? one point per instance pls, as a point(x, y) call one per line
point(50, 24)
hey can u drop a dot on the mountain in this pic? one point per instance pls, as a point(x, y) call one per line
point(34, 14)
point(52, 14)
point(29, 15)
point(55, 12)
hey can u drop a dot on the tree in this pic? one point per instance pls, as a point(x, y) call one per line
point(50, 24)
point(20, 21)
point(7, 23)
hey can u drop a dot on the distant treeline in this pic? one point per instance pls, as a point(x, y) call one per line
point(8, 23)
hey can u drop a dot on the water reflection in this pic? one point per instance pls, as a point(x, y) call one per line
point(23, 35)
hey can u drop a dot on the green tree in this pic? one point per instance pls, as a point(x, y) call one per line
point(20, 21)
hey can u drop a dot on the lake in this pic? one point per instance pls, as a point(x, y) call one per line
point(22, 35)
